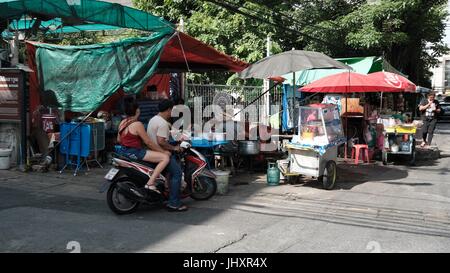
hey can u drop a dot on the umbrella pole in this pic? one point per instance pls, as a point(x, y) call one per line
point(293, 102)
point(381, 102)
point(346, 110)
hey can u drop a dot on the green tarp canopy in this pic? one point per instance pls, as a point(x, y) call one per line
point(54, 26)
point(78, 12)
point(81, 78)
point(363, 65)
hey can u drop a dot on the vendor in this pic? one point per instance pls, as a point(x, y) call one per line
point(429, 108)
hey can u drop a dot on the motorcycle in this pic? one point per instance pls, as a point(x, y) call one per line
point(126, 180)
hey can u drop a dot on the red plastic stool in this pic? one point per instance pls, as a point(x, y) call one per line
point(357, 149)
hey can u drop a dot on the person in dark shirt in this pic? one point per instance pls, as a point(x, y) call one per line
point(430, 108)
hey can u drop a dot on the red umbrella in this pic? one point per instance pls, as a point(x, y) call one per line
point(394, 80)
point(349, 82)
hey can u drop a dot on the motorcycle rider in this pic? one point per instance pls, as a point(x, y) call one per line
point(131, 136)
point(158, 130)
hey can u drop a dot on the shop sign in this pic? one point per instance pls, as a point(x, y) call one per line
point(10, 95)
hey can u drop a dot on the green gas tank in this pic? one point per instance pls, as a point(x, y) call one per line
point(273, 175)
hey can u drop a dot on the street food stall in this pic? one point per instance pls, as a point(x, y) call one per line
point(313, 152)
point(358, 104)
point(398, 139)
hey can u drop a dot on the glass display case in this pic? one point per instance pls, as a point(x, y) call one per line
point(319, 124)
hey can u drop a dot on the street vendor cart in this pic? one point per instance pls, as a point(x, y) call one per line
point(400, 140)
point(313, 152)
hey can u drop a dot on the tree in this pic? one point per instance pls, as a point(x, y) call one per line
point(407, 32)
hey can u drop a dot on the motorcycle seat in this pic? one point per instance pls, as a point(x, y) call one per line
point(145, 163)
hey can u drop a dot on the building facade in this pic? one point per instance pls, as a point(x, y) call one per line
point(441, 75)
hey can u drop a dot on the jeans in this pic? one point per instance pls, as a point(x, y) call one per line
point(176, 175)
point(428, 130)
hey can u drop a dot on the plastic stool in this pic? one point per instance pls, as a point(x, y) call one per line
point(357, 149)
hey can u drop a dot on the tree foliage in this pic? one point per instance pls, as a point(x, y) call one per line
point(407, 32)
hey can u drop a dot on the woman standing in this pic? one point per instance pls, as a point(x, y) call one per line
point(430, 109)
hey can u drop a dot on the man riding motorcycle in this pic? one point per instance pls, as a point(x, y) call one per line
point(159, 132)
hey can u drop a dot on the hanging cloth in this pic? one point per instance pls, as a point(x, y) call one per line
point(81, 78)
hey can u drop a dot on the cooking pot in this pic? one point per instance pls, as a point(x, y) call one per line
point(249, 147)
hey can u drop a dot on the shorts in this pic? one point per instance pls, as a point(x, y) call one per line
point(132, 153)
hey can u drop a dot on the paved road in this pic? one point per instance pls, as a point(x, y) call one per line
point(374, 208)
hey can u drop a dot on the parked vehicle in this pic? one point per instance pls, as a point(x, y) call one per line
point(445, 115)
point(126, 180)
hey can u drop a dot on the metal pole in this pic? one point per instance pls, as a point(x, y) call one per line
point(293, 102)
point(381, 102)
point(24, 156)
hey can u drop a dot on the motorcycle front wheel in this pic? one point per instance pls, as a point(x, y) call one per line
point(203, 188)
point(117, 201)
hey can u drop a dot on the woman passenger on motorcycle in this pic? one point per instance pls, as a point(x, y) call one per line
point(131, 136)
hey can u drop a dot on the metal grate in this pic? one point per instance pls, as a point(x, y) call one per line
point(242, 96)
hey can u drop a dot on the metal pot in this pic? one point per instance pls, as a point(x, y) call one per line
point(249, 147)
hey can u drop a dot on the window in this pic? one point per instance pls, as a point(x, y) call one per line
point(447, 73)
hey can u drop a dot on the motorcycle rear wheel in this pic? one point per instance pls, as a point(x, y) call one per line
point(117, 202)
point(203, 188)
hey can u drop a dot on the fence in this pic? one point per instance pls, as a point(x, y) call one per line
point(238, 96)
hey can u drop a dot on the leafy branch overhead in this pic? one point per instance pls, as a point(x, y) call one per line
point(407, 32)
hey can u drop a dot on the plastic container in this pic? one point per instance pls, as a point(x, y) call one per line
point(405, 146)
point(223, 180)
point(5, 159)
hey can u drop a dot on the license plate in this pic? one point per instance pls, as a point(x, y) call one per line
point(111, 174)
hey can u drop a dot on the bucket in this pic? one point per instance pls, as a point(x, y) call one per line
point(5, 162)
point(48, 123)
point(222, 179)
point(273, 175)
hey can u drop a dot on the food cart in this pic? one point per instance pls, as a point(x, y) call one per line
point(313, 152)
point(399, 139)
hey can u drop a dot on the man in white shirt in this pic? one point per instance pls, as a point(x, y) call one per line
point(158, 130)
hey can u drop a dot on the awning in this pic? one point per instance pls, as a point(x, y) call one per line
point(362, 65)
point(199, 56)
point(79, 12)
point(86, 59)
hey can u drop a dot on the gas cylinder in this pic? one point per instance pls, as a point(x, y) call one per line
point(273, 175)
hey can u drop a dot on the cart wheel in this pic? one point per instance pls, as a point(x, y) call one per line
point(385, 158)
point(328, 179)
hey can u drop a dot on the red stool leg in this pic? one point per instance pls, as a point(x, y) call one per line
point(357, 155)
point(367, 155)
point(353, 153)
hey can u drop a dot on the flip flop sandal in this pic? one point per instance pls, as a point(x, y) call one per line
point(152, 188)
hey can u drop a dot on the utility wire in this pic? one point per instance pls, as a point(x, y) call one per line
point(289, 18)
point(226, 5)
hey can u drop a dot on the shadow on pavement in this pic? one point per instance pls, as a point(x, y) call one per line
point(350, 175)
